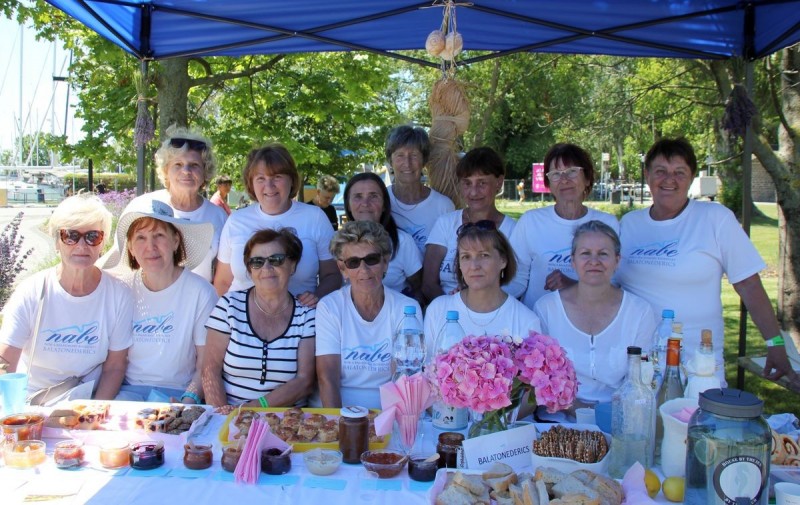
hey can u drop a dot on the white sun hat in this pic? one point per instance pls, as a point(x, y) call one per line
point(197, 237)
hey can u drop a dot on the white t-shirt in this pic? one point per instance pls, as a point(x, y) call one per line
point(167, 325)
point(511, 318)
point(311, 225)
point(444, 234)
point(365, 347)
point(76, 333)
point(406, 262)
point(206, 213)
point(543, 242)
point(678, 264)
point(417, 220)
point(252, 367)
point(601, 361)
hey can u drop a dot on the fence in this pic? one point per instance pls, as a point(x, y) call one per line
point(32, 195)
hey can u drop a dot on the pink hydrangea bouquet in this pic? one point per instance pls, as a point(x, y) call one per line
point(490, 374)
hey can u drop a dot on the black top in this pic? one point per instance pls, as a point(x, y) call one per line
point(329, 211)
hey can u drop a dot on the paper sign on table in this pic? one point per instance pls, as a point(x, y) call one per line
point(512, 447)
point(325, 483)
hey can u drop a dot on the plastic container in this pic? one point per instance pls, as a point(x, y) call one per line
point(408, 346)
point(728, 450)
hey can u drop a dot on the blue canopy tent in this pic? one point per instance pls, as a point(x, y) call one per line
point(708, 29)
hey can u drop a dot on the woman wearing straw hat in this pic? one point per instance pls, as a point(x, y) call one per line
point(172, 303)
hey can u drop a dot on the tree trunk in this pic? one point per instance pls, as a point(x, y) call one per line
point(173, 93)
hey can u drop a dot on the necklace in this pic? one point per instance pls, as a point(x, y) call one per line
point(496, 312)
point(269, 314)
point(404, 206)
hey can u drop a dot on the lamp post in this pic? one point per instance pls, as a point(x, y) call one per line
point(641, 188)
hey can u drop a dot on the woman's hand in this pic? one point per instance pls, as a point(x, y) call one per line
point(308, 299)
point(557, 280)
point(225, 409)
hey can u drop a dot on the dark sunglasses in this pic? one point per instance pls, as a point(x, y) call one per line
point(354, 262)
point(72, 237)
point(483, 225)
point(194, 145)
point(274, 260)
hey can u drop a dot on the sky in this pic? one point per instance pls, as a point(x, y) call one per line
point(39, 97)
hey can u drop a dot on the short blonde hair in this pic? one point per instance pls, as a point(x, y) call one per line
point(361, 232)
point(328, 183)
point(78, 211)
point(166, 153)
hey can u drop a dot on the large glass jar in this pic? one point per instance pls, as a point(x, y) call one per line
point(353, 433)
point(728, 451)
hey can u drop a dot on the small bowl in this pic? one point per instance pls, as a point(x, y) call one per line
point(322, 461)
point(18, 427)
point(385, 462)
point(24, 454)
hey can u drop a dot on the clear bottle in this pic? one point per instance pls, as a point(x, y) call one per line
point(443, 416)
point(671, 388)
point(662, 333)
point(408, 348)
point(633, 408)
point(702, 368)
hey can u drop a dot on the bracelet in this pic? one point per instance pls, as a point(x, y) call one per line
point(263, 401)
point(776, 341)
point(189, 394)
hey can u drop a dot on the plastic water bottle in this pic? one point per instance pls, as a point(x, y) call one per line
point(663, 332)
point(408, 348)
point(445, 417)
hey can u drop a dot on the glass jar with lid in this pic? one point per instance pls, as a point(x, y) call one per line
point(353, 433)
point(728, 451)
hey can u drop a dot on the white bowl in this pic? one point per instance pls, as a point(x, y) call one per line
point(570, 465)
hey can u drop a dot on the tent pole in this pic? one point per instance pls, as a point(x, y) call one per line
point(747, 169)
point(140, 151)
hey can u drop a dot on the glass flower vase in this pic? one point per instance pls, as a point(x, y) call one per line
point(486, 423)
point(407, 433)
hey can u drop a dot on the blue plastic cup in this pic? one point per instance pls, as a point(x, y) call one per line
point(602, 415)
point(14, 387)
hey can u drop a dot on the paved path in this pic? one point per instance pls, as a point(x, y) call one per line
point(34, 236)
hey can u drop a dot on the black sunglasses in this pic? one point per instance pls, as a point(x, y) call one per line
point(354, 262)
point(483, 225)
point(274, 260)
point(194, 145)
point(72, 237)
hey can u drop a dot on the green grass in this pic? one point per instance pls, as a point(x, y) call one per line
point(764, 234)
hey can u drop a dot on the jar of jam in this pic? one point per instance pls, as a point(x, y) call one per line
point(147, 455)
point(68, 454)
point(449, 449)
point(275, 462)
point(230, 457)
point(353, 433)
point(197, 457)
point(115, 455)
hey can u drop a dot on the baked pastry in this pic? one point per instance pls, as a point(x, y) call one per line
point(316, 420)
point(273, 419)
point(328, 432)
point(294, 412)
point(306, 432)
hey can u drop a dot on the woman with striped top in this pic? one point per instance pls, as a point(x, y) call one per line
point(260, 343)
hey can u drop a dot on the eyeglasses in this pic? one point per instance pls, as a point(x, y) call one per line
point(274, 260)
point(72, 237)
point(569, 173)
point(483, 225)
point(354, 262)
point(194, 145)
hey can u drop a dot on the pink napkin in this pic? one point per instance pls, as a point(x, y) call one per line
point(410, 395)
point(634, 488)
point(258, 438)
point(684, 414)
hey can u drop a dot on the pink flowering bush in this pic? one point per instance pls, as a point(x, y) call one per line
point(490, 373)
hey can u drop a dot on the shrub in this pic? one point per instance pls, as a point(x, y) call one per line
point(11, 257)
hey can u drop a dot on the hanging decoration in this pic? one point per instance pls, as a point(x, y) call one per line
point(145, 129)
point(739, 111)
point(449, 105)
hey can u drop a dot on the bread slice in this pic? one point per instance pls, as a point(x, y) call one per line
point(610, 490)
point(541, 489)
point(497, 470)
point(454, 495)
point(474, 484)
point(570, 485)
point(500, 484)
point(575, 499)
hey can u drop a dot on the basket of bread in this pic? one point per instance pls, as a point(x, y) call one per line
point(582, 447)
point(500, 485)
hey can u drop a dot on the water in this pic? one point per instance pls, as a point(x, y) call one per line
point(625, 451)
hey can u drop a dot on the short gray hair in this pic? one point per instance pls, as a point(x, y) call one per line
point(78, 211)
point(595, 226)
point(328, 183)
point(408, 136)
point(361, 232)
point(166, 153)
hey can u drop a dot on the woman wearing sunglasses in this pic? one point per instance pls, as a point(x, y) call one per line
point(185, 165)
point(82, 316)
point(271, 178)
point(484, 263)
point(367, 199)
point(172, 303)
point(480, 176)
point(542, 238)
point(356, 324)
point(260, 343)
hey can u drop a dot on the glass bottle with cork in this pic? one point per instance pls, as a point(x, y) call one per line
point(702, 368)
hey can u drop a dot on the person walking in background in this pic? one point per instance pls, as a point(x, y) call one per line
point(220, 198)
point(521, 190)
point(327, 188)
